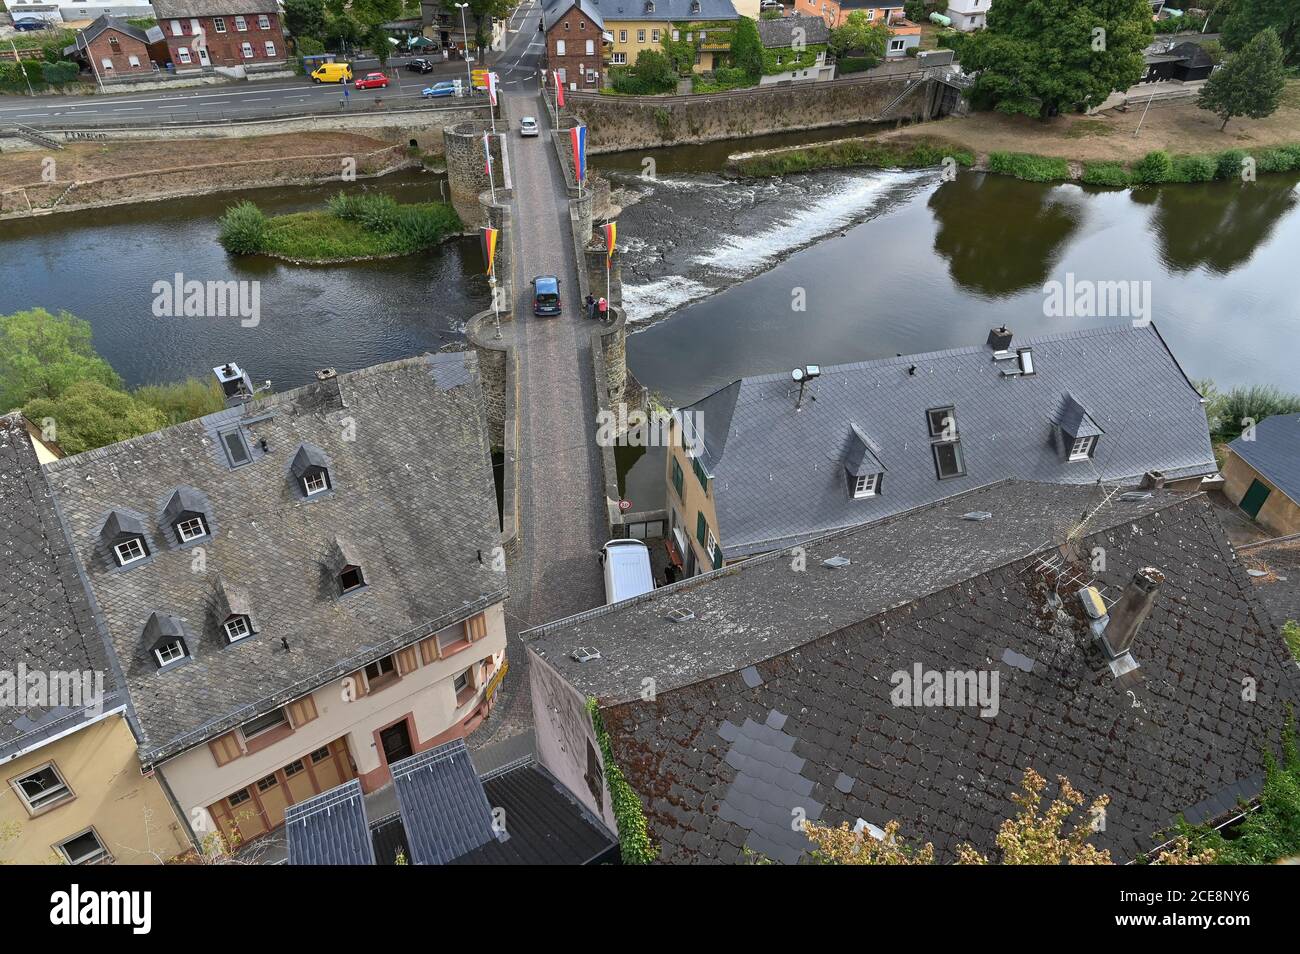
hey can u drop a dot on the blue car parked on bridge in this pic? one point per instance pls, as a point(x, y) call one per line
point(445, 88)
point(546, 295)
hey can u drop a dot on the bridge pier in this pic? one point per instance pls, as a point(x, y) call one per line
point(466, 175)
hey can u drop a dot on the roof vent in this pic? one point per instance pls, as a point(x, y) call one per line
point(836, 562)
point(1153, 480)
point(1026, 356)
point(1135, 495)
point(977, 515)
point(326, 374)
point(681, 615)
point(584, 654)
point(1000, 339)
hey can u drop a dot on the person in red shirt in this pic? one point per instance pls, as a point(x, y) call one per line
point(603, 308)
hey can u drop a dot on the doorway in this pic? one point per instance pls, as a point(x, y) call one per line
point(396, 740)
point(1254, 498)
point(203, 57)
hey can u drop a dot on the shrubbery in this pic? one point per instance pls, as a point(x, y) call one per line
point(855, 152)
point(1105, 174)
point(243, 229)
point(1153, 168)
point(1028, 167)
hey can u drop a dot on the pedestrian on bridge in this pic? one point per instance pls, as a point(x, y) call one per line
point(604, 310)
point(591, 308)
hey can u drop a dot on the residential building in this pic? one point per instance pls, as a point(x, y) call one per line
point(301, 589)
point(73, 791)
point(835, 12)
point(454, 29)
point(1261, 473)
point(799, 43)
point(967, 15)
point(75, 13)
point(229, 34)
point(912, 670)
point(636, 25)
point(449, 814)
point(112, 48)
point(574, 43)
point(771, 461)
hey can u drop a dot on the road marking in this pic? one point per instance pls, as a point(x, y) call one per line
point(128, 109)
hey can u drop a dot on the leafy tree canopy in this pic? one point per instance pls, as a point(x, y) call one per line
point(305, 18)
point(1250, 83)
point(1250, 17)
point(860, 36)
point(90, 414)
point(746, 48)
point(42, 355)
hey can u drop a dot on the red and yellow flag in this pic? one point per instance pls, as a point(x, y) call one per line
point(489, 238)
point(611, 232)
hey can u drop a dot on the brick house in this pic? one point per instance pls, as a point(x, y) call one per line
point(202, 34)
point(113, 48)
point(574, 43)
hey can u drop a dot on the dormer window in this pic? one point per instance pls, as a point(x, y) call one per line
point(129, 551)
point(865, 485)
point(650, 6)
point(124, 534)
point(165, 639)
point(344, 565)
point(316, 482)
point(1082, 447)
point(187, 513)
point(350, 578)
point(311, 468)
point(1076, 432)
point(169, 652)
point(237, 628)
point(191, 529)
point(695, 6)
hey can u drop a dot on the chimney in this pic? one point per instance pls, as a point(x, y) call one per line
point(236, 386)
point(1130, 611)
point(1153, 480)
point(1000, 339)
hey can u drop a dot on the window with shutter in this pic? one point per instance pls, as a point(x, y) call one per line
point(226, 748)
point(678, 479)
point(701, 529)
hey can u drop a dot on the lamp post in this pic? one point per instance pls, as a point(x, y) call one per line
point(22, 68)
point(464, 35)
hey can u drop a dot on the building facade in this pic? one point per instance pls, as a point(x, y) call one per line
point(575, 43)
point(205, 34)
point(637, 25)
point(1261, 473)
point(967, 15)
point(112, 48)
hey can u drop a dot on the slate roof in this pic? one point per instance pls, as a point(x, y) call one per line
point(105, 22)
point(721, 762)
point(411, 498)
point(179, 9)
point(444, 810)
point(1277, 563)
point(779, 34)
point(47, 621)
point(674, 10)
point(779, 473)
point(1275, 452)
point(330, 828)
point(555, 10)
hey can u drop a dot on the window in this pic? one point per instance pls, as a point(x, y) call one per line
point(701, 528)
point(264, 22)
point(619, 59)
point(84, 849)
point(315, 482)
point(622, 36)
point(865, 485)
point(42, 789)
point(191, 528)
point(265, 723)
point(293, 768)
point(169, 652)
point(678, 479)
point(268, 783)
point(1026, 359)
point(715, 551)
point(1081, 449)
point(237, 628)
point(320, 755)
point(943, 423)
point(654, 36)
point(270, 48)
point(381, 672)
point(133, 61)
point(178, 30)
point(219, 24)
point(129, 551)
point(591, 47)
point(114, 45)
point(351, 579)
point(677, 34)
point(640, 36)
point(701, 474)
point(235, 799)
point(896, 46)
point(184, 54)
point(452, 637)
point(582, 24)
point(461, 682)
point(566, 25)
point(946, 442)
point(559, 48)
point(948, 460)
point(247, 50)
point(233, 441)
point(241, 24)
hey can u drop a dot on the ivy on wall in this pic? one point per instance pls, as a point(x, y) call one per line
point(633, 832)
point(791, 59)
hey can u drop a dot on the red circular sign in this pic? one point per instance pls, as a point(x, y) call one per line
point(625, 505)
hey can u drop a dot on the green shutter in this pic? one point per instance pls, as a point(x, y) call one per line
point(678, 478)
point(700, 473)
point(701, 529)
point(717, 558)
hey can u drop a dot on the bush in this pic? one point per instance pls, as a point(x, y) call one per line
point(89, 415)
point(1228, 164)
point(854, 152)
point(1194, 169)
point(57, 74)
point(1105, 174)
point(1255, 403)
point(1282, 159)
point(855, 64)
point(423, 226)
point(1028, 167)
point(182, 400)
point(243, 229)
point(1155, 167)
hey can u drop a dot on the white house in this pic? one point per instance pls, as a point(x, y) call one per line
point(58, 12)
point(969, 15)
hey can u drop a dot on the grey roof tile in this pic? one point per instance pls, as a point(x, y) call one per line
point(330, 828)
point(444, 809)
point(779, 33)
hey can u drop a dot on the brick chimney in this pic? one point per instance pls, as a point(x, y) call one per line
point(1130, 611)
point(1000, 339)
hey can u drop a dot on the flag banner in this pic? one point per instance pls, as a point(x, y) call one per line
point(611, 232)
point(489, 239)
point(559, 91)
point(492, 88)
point(578, 136)
point(487, 156)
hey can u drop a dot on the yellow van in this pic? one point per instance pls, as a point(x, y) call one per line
point(332, 73)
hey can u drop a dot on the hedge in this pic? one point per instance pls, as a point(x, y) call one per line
point(1028, 167)
point(1105, 174)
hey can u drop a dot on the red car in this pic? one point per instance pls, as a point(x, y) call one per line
point(372, 81)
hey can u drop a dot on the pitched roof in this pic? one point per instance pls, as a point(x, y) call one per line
point(105, 22)
point(779, 474)
point(553, 11)
point(1274, 568)
point(1274, 452)
point(809, 723)
point(675, 10)
point(411, 502)
point(779, 33)
point(330, 828)
point(47, 621)
point(179, 9)
point(444, 810)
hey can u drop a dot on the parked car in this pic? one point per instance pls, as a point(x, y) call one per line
point(445, 88)
point(528, 126)
point(546, 296)
point(332, 73)
point(627, 570)
point(372, 81)
point(420, 65)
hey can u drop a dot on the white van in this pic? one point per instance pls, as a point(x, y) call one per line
point(627, 570)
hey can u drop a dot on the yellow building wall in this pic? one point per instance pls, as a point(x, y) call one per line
point(693, 500)
point(632, 47)
point(1280, 515)
point(130, 813)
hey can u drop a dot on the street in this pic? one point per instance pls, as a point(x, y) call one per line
point(253, 100)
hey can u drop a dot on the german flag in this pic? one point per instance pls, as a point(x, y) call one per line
point(611, 232)
point(489, 239)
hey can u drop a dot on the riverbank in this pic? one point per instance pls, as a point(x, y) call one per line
point(99, 174)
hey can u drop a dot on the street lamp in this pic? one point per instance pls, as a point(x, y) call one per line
point(464, 35)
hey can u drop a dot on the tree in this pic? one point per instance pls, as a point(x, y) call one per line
point(305, 18)
point(1249, 84)
point(42, 355)
point(1249, 18)
point(90, 414)
point(1038, 57)
point(860, 36)
point(653, 69)
point(746, 48)
point(379, 44)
